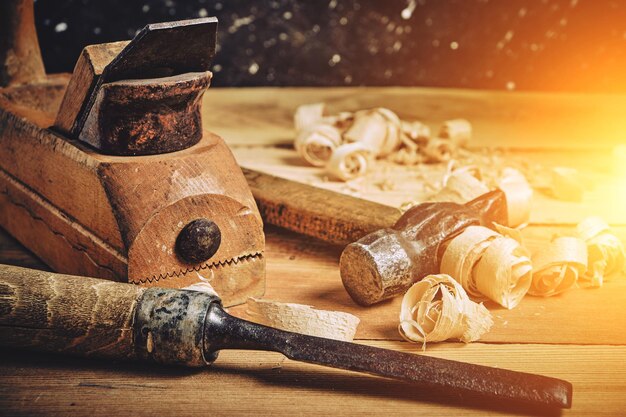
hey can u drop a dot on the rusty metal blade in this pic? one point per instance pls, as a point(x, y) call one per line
point(223, 331)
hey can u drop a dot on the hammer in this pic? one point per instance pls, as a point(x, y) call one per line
point(96, 318)
point(385, 251)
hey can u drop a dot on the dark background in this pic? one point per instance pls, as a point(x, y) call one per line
point(553, 45)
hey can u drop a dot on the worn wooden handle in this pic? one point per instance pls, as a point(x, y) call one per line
point(333, 217)
point(69, 314)
point(91, 317)
point(20, 58)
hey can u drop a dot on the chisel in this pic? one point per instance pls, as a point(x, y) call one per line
point(89, 317)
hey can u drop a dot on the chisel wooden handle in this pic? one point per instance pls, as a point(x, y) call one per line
point(91, 317)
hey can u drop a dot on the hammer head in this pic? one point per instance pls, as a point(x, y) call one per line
point(376, 267)
point(387, 262)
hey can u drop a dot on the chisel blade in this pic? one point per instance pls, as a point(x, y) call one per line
point(223, 331)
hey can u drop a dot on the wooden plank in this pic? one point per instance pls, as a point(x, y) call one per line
point(263, 116)
point(604, 190)
point(304, 270)
point(260, 383)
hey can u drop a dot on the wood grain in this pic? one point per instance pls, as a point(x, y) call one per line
point(335, 218)
point(254, 383)
point(20, 57)
point(578, 336)
point(604, 190)
point(66, 314)
point(117, 217)
point(89, 66)
point(303, 270)
point(519, 120)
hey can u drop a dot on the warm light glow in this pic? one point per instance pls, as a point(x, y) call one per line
point(619, 161)
point(619, 186)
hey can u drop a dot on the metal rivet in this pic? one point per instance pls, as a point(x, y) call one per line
point(198, 241)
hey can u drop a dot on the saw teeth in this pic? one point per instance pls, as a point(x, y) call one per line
point(213, 265)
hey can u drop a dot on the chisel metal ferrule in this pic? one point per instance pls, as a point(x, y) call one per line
point(169, 326)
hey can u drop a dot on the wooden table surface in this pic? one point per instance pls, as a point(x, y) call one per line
point(579, 336)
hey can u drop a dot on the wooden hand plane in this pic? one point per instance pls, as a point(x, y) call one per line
point(111, 175)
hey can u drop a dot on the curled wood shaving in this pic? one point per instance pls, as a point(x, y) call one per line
point(437, 309)
point(463, 253)
point(519, 196)
point(460, 187)
point(380, 131)
point(308, 115)
point(556, 268)
point(377, 129)
point(512, 232)
point(566, 184)
point(459, 131)
point(504, 273)
point(394, 134)
point(349, 161)
point(605, 251)
point(488, 265)
point(316, 143)
point(303, 319)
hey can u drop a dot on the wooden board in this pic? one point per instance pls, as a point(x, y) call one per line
point(585, 316)
point(261, 383)
point(579, 336)
point(302, 270)
point(604, 192)
point(264, 116)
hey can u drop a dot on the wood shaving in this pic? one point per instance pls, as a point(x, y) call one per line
point(488, 265)
point(380, 131)
point(308, 115)
point(437, 309)
point(604, 250)
point(438, 150)
point(377, 129)
point(408, 156)
point(349, 161)
point(459, 131)
point(463, 253)
point(316, 143)
point(416, 132)
point(556, 267)
point(519, 196)
point(202, 287)
point(512, 232)
point(460, 187)
point(303, 319)
point(504, 273)
point(566, 184)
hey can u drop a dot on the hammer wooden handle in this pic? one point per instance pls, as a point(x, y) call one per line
point(68, 314)
point(327, 215)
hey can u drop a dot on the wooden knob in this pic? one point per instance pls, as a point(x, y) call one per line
point(198, 241)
